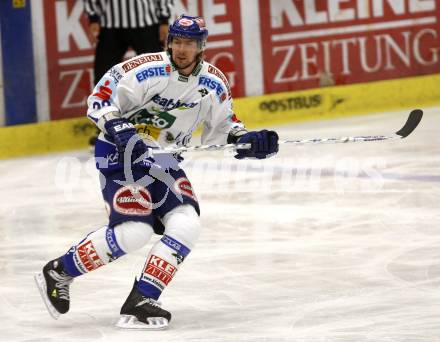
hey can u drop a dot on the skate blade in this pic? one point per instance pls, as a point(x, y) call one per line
point(42, 287)
point(131, 322)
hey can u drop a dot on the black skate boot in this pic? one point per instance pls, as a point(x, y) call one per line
point(53, 284)
point(140, 312)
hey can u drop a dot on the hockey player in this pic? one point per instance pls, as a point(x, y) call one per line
point(163, 97)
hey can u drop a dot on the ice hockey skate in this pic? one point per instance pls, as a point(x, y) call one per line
point(142, 313)
point(53, 284)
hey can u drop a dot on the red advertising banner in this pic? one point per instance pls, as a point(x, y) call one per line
point(313, 43)
point(70, 54)
point(262, 46)
point(69, 58)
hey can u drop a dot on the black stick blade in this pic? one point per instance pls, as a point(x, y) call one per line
point(410, 125)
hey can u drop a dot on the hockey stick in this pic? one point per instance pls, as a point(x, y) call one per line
point(410, 125)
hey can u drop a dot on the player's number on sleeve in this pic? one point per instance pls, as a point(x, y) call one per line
point(98, 105)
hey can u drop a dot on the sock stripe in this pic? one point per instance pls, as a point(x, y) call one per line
point(112, 243)
point(175, 245)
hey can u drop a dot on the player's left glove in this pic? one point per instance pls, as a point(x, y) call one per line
point(264, 144)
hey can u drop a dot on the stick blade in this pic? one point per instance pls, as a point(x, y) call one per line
point(413, 121)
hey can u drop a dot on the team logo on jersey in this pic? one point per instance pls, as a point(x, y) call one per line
point(170, 104)
point(215, 85)
point(183, 186)
point(133, 200)
point(156, 71)
point(134, 63)
point(203, 92)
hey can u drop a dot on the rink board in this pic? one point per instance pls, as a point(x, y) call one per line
point(45, 137)
point(258, 111)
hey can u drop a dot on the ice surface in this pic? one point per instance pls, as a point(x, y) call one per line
point(321, 243)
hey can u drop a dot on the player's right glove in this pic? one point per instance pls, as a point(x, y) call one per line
point(264, 144)
point(121, 131)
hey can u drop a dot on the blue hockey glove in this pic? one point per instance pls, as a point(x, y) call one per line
point(264, 144)
point(121, 131)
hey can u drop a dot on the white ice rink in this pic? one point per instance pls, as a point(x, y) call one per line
point(321, 243)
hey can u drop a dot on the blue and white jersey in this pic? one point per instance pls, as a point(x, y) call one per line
point(161, 103)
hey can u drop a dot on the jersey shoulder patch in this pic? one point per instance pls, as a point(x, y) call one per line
point(144, 60)
point(215, 81)
point(212, 70)
point(149, 65)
